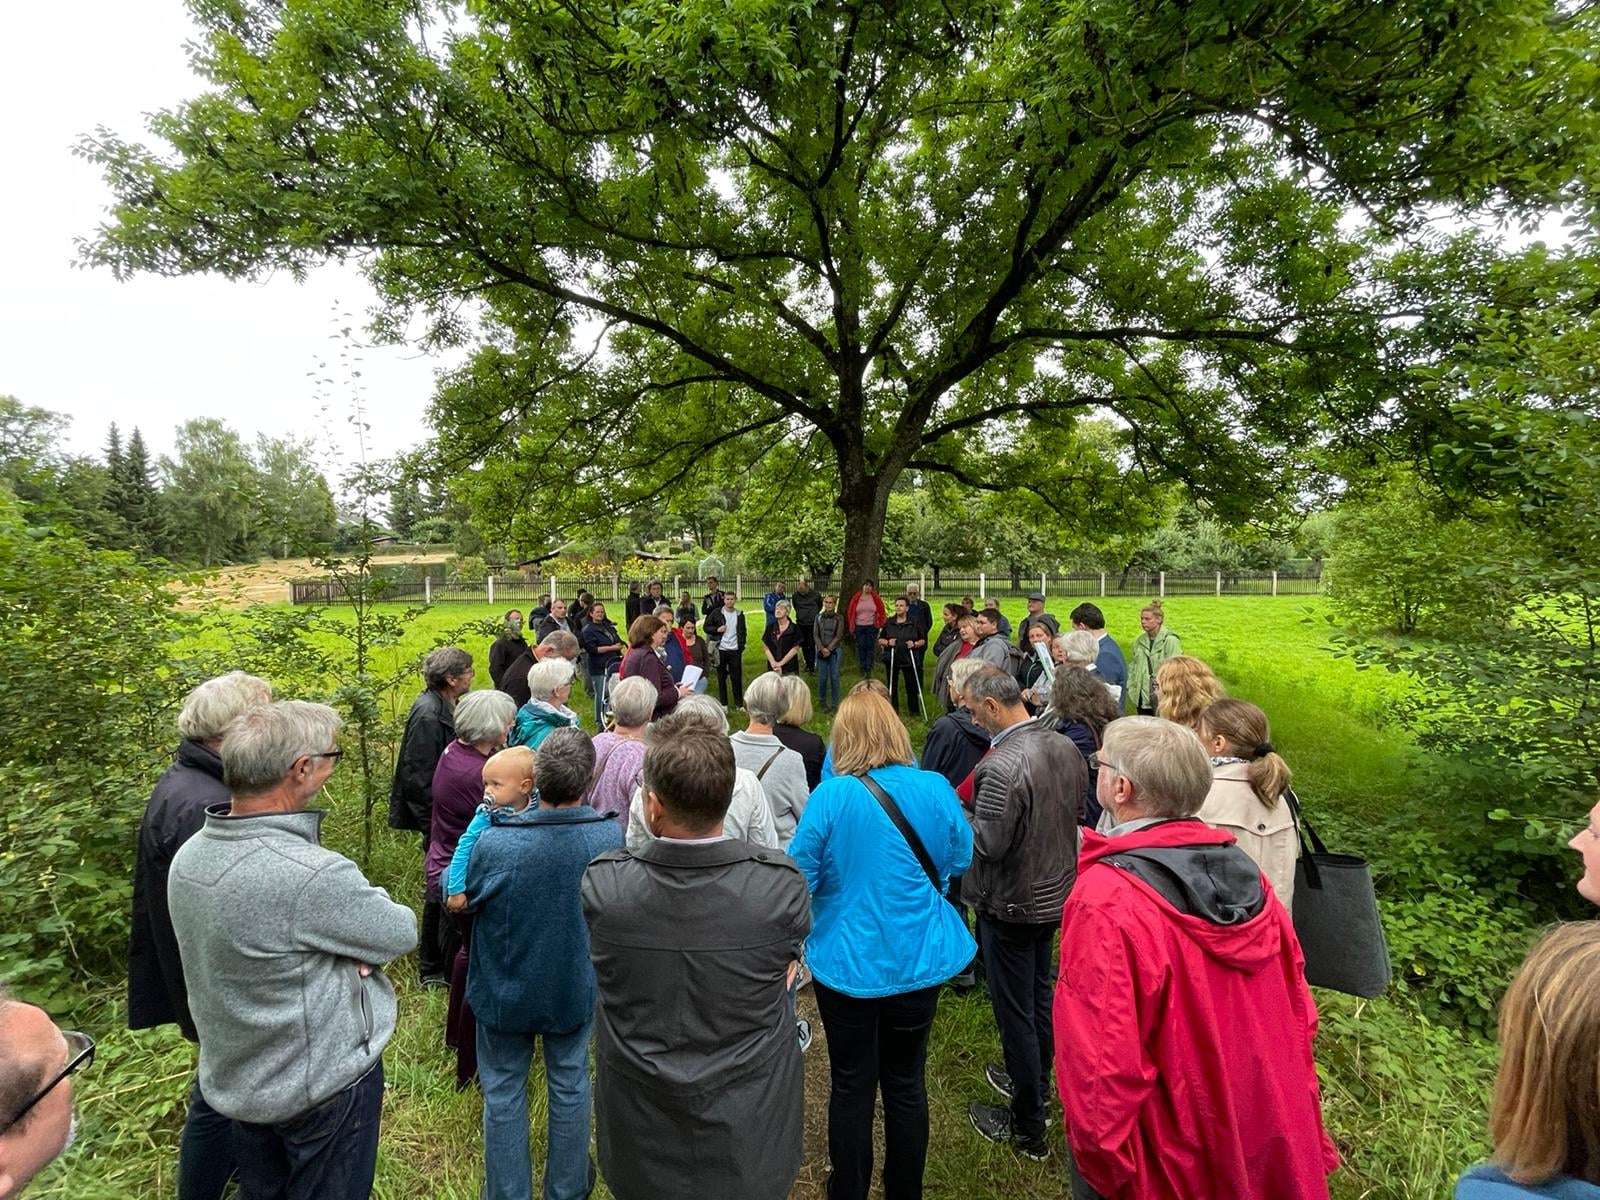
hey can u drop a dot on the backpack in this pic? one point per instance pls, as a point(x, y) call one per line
point(1017, 661)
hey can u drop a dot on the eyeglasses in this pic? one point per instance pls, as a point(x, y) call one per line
point(80, 1053)
point(331, 755)
point(1096, 762)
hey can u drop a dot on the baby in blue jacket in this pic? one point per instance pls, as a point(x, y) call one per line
point(507, 788)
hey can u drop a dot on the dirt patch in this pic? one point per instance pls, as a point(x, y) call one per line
point(267, 582)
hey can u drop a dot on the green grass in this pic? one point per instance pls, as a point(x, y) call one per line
point(1403, 1098)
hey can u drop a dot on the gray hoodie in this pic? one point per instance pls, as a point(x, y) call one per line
point(272, 927)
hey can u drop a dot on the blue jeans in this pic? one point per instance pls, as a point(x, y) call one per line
point(504, 1059)
point(828, 676)
point(866, 648)
point(205, 1155)
point(329, 1152)
point(597, 685)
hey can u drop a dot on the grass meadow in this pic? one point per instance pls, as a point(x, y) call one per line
point(1404, 1098)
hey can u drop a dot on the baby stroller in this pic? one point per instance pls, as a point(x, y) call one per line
point(607, 719)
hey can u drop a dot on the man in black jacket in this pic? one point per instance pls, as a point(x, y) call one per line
point(712, 600)
point(556, 620)
point(717, 924)
point(507, 648)
point(725, 629)
point(804, 605)
point(430, 727)
point(156, 991)
point(1024, 850)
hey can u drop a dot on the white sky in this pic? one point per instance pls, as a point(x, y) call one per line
point(154, 352)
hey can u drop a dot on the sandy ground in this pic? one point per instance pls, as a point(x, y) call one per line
point(267, 582)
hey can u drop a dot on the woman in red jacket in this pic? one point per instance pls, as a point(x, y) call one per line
point(866, 615)
point(646, 636)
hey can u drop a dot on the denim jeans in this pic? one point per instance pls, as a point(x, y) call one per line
point(597, 685)
point(329, 1152)
point(866, 648)
point(504, 1058)
point(828, 677)
point(877, 1045)
point(206, 1158)
point(1016, 960)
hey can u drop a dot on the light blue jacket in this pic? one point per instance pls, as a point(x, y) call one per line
point(879, 927)
point(1489, 1182)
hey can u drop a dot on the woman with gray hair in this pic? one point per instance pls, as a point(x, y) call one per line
point(549, 686)
point(782, 771)
point(156, 991)
point(619, 755)
point(430, 727)
point(749, 815)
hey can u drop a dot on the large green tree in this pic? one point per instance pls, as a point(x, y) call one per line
point(929, 235)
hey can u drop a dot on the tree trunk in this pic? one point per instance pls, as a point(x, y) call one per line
point(864, 501)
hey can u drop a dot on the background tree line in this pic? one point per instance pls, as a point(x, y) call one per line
point(215, 500)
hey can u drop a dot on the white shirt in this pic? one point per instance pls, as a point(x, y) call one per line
point(730, 634)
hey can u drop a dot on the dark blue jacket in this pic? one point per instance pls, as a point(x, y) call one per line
point(1111, 666)
point(601, 633)
point(530, 969)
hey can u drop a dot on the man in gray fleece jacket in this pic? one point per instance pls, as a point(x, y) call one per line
point(280, 939)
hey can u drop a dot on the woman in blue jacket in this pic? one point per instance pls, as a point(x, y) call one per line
point(882, 941)
point(1546, 1116)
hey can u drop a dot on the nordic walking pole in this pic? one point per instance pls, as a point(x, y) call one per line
point(922, 706)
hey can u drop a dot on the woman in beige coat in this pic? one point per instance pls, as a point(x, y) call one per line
point(1248, 780)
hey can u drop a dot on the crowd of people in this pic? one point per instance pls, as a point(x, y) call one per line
point(663, 888)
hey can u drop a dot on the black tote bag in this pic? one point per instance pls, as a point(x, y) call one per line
point(1336, 916)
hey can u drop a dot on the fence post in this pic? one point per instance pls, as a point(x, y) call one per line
point(1102, 585)
point(738, 586)
point(981, 588)
point(675, 589)
point(1161, 585)
point(616, 584)
point(427, 589)
point(1042, 588)
point(1274, 583)
point(552, 589)
point(1219, 583)
point(922, 589)
point(491, 591)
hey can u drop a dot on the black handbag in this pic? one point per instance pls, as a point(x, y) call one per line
point(1336, 916)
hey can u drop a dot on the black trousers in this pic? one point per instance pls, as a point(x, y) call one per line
point(730, 665)
point(1016, 960)
point(877, 1045)
point(808, 645)
point(905, 668)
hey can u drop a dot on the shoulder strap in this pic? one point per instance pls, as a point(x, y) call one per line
point(1310, 844)
point(770, 761)
point(892, 810)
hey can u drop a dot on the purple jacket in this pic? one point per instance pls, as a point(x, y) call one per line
point(457, 792)
point(618, 761)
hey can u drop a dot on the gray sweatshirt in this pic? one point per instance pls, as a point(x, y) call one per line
point(271, 927)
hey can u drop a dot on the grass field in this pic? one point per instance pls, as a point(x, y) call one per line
point(1404, 1099)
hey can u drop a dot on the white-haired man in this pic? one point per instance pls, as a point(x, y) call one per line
point(280, 939)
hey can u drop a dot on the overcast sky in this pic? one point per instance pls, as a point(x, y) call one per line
point(154, 352)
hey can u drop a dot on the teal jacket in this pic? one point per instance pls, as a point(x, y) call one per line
point(879, 927)
point(534, 723)
point(1489, 1182)
point(1147, 655)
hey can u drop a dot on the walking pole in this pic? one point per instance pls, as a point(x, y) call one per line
point(922, 706)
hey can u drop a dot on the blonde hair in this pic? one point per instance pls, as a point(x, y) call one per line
point(1545, 1119)
point(1155, 607)
point(867, 733)
point(799, 710)
point(1244, 728)
point(516, 758)
point(1185, 687)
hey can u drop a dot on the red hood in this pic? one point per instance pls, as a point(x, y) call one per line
point(1249, 946)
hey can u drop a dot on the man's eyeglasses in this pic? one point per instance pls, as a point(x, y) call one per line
point(332, 756)
point(80, 1053)
point(1096, 763)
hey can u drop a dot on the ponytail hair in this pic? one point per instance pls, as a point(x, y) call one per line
point(1155, 607)
point(1244, 728)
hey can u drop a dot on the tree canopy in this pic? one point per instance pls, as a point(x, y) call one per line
point(928, 236)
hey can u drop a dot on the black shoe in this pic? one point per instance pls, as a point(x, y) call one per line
point(1034, 1149)
point(992, 1121)
point(434, 983)
point(999, 1080)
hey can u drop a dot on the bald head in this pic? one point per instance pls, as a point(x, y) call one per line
point(32, 1051)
